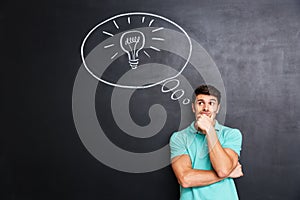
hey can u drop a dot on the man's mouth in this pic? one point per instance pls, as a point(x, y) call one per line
point(205, 113)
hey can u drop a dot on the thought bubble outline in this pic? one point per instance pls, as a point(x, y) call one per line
point(129, 14)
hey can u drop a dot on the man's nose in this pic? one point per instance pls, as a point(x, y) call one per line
point(205, 107)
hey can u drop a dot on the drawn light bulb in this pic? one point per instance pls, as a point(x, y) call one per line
point(131, 43)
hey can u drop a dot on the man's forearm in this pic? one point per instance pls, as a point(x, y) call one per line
point(194, 178)
point(222, 163)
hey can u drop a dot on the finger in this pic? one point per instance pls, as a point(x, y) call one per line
point(213, 115)
point(204, 116)
point(198, 117)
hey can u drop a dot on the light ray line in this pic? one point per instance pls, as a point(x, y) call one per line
point(158, 29)
point(151, 22)
point(114, 55)
point(143, 19)
point(128, 19)
point(107, 33)
point(116, 25)
point(110, 45)
point(159, 39)
point(154, 48)
point(146, 54)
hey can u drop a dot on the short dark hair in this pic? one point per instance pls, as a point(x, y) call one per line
point(207, 90)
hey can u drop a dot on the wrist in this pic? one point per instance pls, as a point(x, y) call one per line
point(208, 130)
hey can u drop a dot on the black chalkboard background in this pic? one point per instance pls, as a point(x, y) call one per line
point(255, 44)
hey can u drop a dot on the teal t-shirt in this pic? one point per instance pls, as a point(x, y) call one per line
point(193, 143)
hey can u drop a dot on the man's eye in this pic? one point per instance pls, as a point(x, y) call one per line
point(212, 103)
point(200, 103)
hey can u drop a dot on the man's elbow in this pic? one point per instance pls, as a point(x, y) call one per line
point(184, 181)
point(223, 173)
point(225, 170)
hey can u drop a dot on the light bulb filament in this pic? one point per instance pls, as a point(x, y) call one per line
point(131, 40)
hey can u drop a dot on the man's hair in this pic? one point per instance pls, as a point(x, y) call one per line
point(207, 90)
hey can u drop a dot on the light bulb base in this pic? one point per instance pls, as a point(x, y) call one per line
point(133, 63)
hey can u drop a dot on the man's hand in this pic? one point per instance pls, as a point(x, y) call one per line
point(236, 172)
point(204, 123)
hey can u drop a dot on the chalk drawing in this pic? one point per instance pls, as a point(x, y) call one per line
point(131, 43)
point(150, 39)
point(140, 38)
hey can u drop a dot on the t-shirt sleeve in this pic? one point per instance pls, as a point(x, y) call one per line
point(233, 141)
point(177, 145)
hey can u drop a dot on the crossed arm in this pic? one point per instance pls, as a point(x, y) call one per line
point(224, 160)
point(189, 177)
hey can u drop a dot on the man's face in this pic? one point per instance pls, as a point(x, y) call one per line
point(205, 104)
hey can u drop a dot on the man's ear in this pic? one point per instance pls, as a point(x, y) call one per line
point(218, 109)
point(193, 108)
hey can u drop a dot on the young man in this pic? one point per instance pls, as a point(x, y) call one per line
point(205, 154)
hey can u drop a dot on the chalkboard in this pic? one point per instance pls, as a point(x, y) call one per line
point(68, 134)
